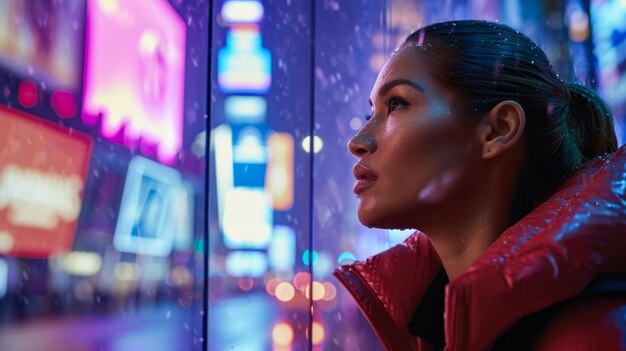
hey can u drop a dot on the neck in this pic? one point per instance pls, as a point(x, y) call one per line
point(472, 224)
point(461, 244)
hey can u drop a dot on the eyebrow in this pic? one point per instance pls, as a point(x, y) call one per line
point(390, 85)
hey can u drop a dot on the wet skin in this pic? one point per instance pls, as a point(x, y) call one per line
point(417, 162)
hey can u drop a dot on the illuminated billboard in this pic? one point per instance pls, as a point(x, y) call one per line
point(42, 40)
point(134, 73)
point(147, 222)
point(242, 11)
point(244, 65)
point(43, 169)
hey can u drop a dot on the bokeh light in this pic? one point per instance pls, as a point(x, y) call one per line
point(318, 144)
point(329, 291)
point(301, 281)
point(318, 291)
point(27, 93)
point(271, 285)
point(346, 258)
point(282, 334)
point(285, 291)
point(246, 284)
point(318, 333)
point(309, 255)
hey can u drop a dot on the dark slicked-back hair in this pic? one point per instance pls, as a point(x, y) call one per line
point(486, 63)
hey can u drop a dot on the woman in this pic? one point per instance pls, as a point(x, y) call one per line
point(475, 142)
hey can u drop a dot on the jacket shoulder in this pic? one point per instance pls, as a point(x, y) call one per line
point(588, 323)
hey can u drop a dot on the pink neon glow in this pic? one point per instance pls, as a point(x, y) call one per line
point(134, 73)
point(27, 93)
point(63, 103)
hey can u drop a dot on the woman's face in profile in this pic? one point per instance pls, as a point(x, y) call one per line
point(415, 158)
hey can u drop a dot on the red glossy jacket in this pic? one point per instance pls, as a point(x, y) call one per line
point(550, 255)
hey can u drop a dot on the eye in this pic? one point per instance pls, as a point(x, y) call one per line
point(395, 104)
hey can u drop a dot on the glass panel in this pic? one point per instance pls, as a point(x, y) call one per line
point(105, 205)
point(102, 174)
point(260, 176)
point(353, 39)
point(259, 87)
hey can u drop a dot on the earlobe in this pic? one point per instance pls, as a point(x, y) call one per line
point(502, 128)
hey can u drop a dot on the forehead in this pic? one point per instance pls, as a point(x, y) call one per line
point(404, 63)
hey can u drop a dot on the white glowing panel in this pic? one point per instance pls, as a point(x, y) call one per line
point(244, 65)
point(250, 146)
point(248, 218)
point(282, 249)
point(242, 11)
point(221, 142)
point(246, 263)
point(134, 73)
point(81, 263)
point(147, 220)
point(245, 109)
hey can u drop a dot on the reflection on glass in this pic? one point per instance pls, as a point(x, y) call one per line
point(103, 130)
point(101, 248)
point(259, 198)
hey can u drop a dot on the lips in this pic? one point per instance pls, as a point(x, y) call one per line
point(364, 178)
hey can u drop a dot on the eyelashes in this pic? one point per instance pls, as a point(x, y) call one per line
point(394, 103)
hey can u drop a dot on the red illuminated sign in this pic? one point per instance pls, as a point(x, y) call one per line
point(43, 169)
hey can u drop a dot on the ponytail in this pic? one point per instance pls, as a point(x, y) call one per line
point(590, 122)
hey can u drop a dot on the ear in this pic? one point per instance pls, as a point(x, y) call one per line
point(502, 128)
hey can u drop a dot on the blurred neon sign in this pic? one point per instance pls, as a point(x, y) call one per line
point(134, 73)
point(280, 169)
point(42, 40)
point(23, 190)
point(244, 65)
point(248, 218)
point(43, 169)
point(147, 221)
point(246, 263)
point(242, 11)
point(241, 109)
point(282, 248)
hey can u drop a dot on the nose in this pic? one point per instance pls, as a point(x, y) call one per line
point(362, 144)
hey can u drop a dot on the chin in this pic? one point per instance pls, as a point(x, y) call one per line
point(378, 220)
point(384, 217)
point(368, 219)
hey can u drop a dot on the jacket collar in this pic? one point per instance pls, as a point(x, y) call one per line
point(548, 256)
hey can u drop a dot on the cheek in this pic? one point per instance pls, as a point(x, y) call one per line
point(449, 160)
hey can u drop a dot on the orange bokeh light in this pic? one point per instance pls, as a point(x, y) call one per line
point(285, 292)
point(282, 334)
point(318, 291)
point(318, 333)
